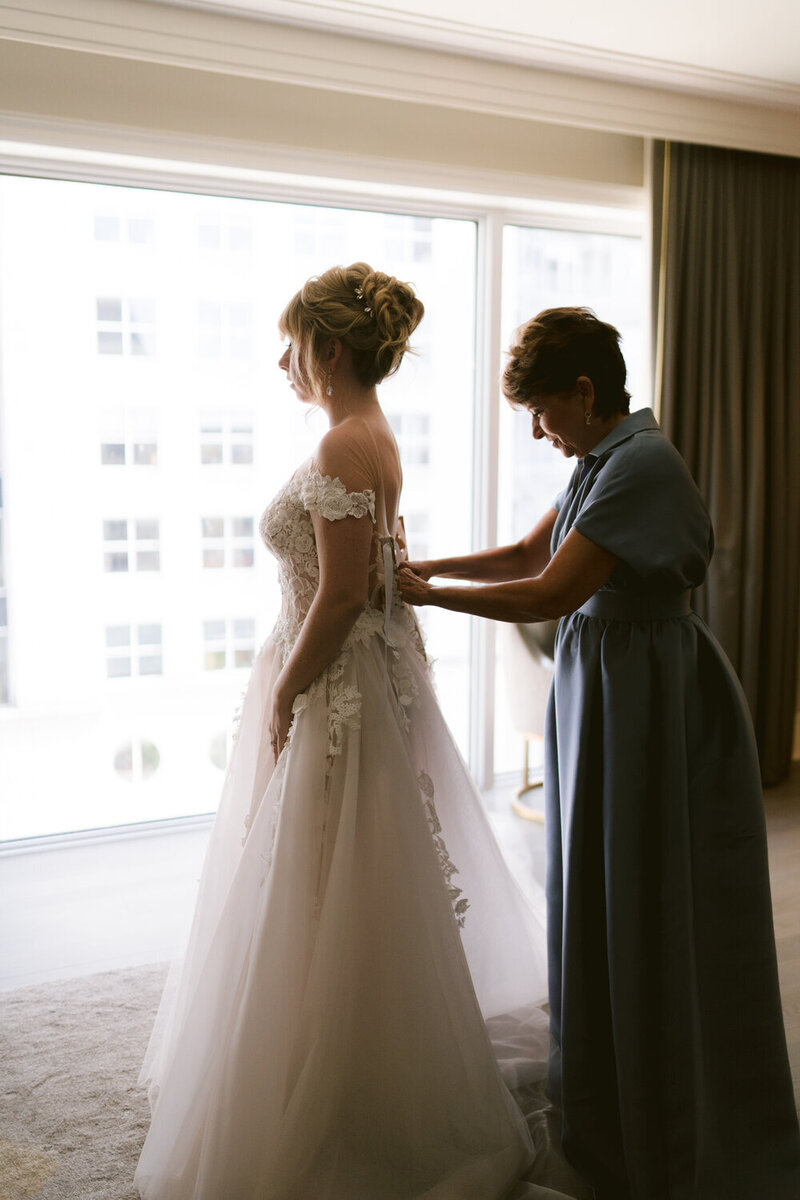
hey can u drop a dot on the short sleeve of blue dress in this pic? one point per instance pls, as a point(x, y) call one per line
point(561, 497)
point(638, 500)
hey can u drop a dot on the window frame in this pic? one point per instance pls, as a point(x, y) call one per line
point(575, 205)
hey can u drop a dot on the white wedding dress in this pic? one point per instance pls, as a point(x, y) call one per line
point(359, 996)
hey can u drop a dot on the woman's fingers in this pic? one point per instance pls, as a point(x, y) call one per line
point(420, 568)
point(413, 588)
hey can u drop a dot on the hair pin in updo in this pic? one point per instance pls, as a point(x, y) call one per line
point(360, 296)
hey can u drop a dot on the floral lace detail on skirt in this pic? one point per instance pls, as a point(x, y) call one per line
point(449, 869)
point(343, 703)
point(266, 855)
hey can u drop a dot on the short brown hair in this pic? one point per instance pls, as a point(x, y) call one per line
point(371, 313)
point(552, 350)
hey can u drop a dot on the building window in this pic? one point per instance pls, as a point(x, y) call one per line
point(319, 233)
point(129, 438)
point(413, 433)
point(133, 650)
point(225, 330)
point(227, 541)
point(228, 643)
point(137, 231)
point(131, 545)
point(217, 231)
point(137, 760)
point(126, 326)
point(226, 438)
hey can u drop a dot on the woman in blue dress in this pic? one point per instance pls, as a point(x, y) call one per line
point(669, 1058)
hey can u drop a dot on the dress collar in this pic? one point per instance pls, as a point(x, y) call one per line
point(643, 418)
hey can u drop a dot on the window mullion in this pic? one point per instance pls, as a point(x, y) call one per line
point(485, 476)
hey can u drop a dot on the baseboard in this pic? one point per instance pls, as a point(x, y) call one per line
point(111, 833)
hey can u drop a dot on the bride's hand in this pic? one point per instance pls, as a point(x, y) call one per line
point(413, 587)
point(280, 720)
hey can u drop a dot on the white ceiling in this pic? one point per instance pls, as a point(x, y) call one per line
point(691, 43)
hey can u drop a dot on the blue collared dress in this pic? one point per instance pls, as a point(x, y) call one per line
point(669, 1056)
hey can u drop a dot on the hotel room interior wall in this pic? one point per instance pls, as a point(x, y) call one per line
point(47, 82)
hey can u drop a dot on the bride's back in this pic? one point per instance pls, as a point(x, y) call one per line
point(363, 453)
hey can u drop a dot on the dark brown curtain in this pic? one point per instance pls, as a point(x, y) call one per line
point(727, 241)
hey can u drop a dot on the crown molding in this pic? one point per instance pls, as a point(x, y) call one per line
point(210, 40)
point(481, 41)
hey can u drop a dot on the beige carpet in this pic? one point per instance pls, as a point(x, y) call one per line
point(72, 1118)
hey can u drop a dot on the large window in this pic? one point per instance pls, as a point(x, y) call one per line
point(552, 268)
point(141, 595)
point(139, 453)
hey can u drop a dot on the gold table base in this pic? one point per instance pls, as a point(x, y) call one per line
point(528, 785)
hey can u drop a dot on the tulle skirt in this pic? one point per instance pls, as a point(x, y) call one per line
point(358, 1013)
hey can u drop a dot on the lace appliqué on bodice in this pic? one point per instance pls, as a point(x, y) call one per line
point(288, 532)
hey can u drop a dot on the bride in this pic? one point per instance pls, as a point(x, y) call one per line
point(359, 996)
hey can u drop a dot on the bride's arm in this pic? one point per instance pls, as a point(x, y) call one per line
point(574, 573)
point(343, 549)
point(520, 560)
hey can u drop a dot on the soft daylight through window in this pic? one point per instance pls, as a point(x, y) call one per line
point(145, 426)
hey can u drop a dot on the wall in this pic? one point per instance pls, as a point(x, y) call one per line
point(663, 102)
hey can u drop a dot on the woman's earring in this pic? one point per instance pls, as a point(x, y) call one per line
point(329, 388)
point(588, 418)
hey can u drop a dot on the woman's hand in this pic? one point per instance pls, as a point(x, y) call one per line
point(280, 719)
point(414, 587)
point(424, 569)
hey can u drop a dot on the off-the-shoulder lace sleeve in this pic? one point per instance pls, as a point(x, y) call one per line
point(331, 499)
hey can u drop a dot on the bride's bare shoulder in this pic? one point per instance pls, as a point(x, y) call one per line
point(345, 453)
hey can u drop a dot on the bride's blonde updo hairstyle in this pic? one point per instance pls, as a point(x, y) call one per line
point(371, 313)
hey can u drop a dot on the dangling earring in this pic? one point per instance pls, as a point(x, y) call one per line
point(329, 388)
point(588, 418)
